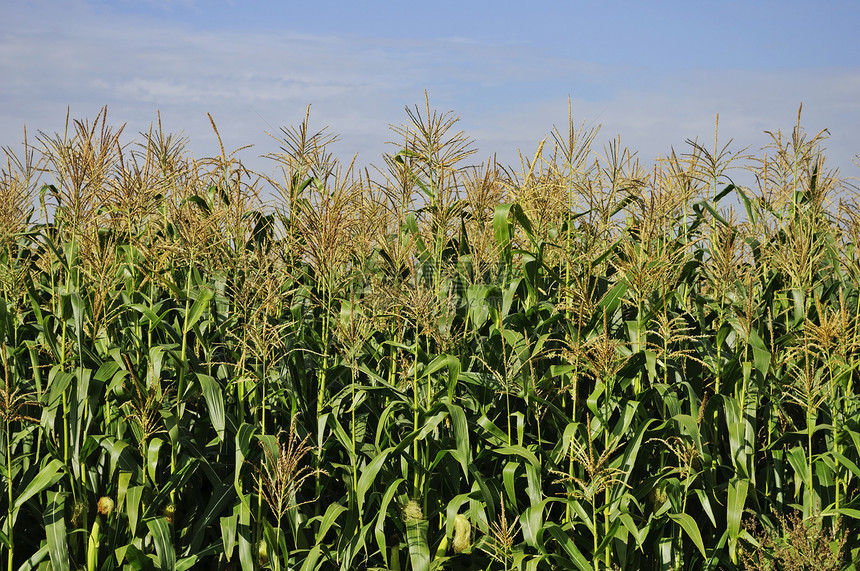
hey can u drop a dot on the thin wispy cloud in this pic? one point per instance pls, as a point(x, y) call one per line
point(509, 88)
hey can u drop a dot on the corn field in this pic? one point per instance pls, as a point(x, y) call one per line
point(577, 362)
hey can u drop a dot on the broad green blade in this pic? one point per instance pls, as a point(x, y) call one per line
point(419, 550)
point(55, 527)
point(161, 538)
point(46, 478)
point(214, 396)
point(691, 529)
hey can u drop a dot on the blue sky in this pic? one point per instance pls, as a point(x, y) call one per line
point(654, 72)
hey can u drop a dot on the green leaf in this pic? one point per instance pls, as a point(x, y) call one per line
point(197, 309)
point(478, 304)
point(761, 356)
point(428, 427)
point(850, 512)
point(412, 225)
point(160, 530)
point(331, 515)
point(177, 480)
point(688, 524)
point(569, 547)
point(437, 364)
point(311, 560)
point(214, 396)
point(187, 562)
point(517, 450)
point(502, 230)
point(78, 310)
point(368, 475)
point(520, 216)
point(55, 529)
point(532, 522)
point(382, 516)
point(46, 478)
point(752, 213)
point(228, 532)
point(638, 534)
point(116, 448)
point(741, 435)
point(706, 504)
point(246, 559)
point(132, 506)
point(152, 456)
point(243, 439)
point(737, 496)
point(419, 550)
point(611, 300)
point(463, 450)
point(222, 495)
point(509, 473)
point(846, 462)
point(797, 459)
point(155, 320)
point(35, 561)
point(608, 536)
point(59, 381)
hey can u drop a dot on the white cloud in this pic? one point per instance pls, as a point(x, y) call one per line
point(510, 95)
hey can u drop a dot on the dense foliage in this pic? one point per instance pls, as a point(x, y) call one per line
point(577, 363)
